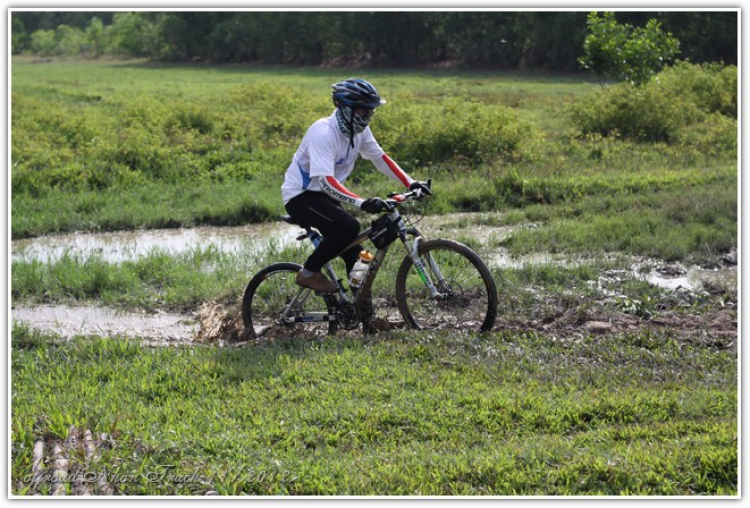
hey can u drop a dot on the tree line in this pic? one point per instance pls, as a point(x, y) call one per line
point(468, 39)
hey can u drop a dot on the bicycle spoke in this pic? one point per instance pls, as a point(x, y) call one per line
point(467, 293)
point(273, 295)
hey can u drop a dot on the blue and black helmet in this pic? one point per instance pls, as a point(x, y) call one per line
point(355, 100)
point(356, 93)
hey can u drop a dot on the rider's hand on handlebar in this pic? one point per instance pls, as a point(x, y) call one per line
point(422, 187)
point(373, 205)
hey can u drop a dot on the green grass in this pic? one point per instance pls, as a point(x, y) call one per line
point(156, 280)
point(688, 226)
point(111, 145)
point(122, 145)
point(153, 206)
point(454, 414)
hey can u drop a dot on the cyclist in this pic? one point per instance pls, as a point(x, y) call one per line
point(313, 189)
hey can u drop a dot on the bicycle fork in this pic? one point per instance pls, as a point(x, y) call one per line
point(416, 259)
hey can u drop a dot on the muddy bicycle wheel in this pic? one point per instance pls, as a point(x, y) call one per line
point(269, 293)
point(469, 294)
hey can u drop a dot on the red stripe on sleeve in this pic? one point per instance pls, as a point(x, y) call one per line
point(396, 170)
point(343, 190)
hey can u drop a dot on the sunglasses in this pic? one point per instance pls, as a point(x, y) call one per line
point(364, 113)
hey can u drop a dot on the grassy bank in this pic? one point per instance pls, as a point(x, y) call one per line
point(507, 414)
point(122, 145)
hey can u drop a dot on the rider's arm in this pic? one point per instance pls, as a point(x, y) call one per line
point(337, 191)
point(388, 167)
point(372, 151)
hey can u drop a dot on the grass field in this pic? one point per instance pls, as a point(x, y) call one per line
point(508, 415)
point(525, 410)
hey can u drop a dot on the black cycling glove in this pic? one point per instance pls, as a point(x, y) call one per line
point(373, 205)
point(424, 187)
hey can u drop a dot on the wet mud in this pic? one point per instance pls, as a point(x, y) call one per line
point(221, 322)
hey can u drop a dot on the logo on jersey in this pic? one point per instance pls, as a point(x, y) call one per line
point(339, 196)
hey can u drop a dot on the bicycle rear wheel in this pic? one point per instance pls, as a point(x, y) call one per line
point(269, 293)
point(469, 294)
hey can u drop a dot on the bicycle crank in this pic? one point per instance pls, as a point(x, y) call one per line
point(348, 316)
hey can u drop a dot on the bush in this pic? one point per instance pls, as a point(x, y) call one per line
point(679, 98)
point(452, 129)
point(712, 87)
point(277, 114)
point(43, 43)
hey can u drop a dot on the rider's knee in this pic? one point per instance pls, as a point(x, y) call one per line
point(349, 228)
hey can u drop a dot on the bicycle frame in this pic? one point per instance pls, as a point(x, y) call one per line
point(375, 264)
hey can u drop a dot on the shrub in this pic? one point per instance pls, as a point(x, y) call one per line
point(679, 98)
point(43, 43)
point(190, 117)
point(712, 87)
point(272, 113)
point(450, 129)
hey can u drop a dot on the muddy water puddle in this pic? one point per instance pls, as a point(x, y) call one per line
point(167, 329)
point(114, 247)
point(669, 277)
point(160, 329)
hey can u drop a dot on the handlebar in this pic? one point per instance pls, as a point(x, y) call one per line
point(397, 198)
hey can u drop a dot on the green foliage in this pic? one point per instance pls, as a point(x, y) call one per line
point(181, 146)
point(248, 131)
point(679, 99)
point(19, 37)
point(43, 43)
point(130, 35)
point(626, 53)
point(451, 130)
point(491, 40)
point(712, 87)
point(509, 414)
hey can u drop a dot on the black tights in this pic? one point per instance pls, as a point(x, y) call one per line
point(338, 227)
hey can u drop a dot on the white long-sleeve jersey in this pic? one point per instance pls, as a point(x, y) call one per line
point(325, 159)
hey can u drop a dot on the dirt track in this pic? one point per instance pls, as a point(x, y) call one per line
point(221, 322)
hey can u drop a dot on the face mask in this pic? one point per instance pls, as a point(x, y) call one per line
point(358, 119)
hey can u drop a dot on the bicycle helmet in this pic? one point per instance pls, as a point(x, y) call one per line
point(355, 100)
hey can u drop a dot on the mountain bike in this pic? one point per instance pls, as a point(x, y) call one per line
point(440, 284)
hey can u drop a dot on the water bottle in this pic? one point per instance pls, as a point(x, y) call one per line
point(357, 275)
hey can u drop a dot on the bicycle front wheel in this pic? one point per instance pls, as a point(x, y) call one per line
point(468, 295)
point(266, 310)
